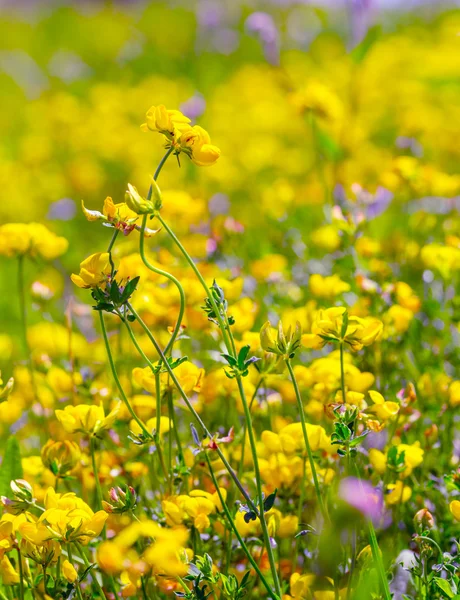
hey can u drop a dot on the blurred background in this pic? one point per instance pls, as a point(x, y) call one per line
point(312, 104)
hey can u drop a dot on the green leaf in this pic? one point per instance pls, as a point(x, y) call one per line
point(11, 466)
point(359, 53)
point(444, 586)
point(130, 287)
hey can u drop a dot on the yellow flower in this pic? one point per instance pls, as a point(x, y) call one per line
point(382, 409)
point(120, 216)
point(327, 287)
point(60, 457)
point(397, 493)
point(454, 508)
point(69, 572)
point(94, 271)
point(69, 519)
point(6, 542)
point(86, 418)
point(196, 142)
point(168, 122)
point(330, 326)
point(8, 573)
point(454, 394)
point(34, 239)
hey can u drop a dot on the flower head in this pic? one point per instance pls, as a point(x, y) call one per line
point(94, 271)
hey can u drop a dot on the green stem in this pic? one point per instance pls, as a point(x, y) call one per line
point(158, 271)
point(115, 376)
point(77, 583)
point(156, 374)
point(197, 417)
point(263, 522)
point(81, 552)
point(189, 259)
point(92, 444)
point(109, 250)
point(230, 349)
point(378, 560)
point(236, 532)
point(21, 575)
point(342, 374)
point(158, 425)
point(306, 440)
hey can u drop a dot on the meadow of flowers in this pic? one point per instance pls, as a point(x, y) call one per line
point(230, 254)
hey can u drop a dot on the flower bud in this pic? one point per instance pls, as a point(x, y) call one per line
point(123, 500)
point(60, 457)
point(156, 198)
point(423, 519)
point(136, 202)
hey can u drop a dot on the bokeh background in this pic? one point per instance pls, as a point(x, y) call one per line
point(382, 80)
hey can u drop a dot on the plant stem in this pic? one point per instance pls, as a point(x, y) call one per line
point(189, 259)
point(378, 560)
point(230, 348)
point(193, 411)
point(21, 575)
point(236, 532)
point(92, 444)
point(158, 271)
point(77, 583)
point(88, 564)
point(263, 522)
point(117, 381)
point(342, 374)
point(109, 249)
point(306, 440)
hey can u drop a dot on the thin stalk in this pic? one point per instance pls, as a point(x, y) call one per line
point(21, 575)
point(189, 259)
point(342, 374)
point(373, 542)
point(197, 417)
point(158, 425)
point(92, 448)
point(77, 583)
point(378, 560)
point(263, 522)
point(88, 564)
point(307, 441)
point(109, 249)
point(158, 271)
point(236, 532)
point(158, 396)
point(115, 376)
point(230, 348)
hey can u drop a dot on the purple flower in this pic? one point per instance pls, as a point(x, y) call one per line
point(263, 25)
point(362, 496)
point(194, 107)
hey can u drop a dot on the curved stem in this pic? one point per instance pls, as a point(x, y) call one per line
point(115, 376)
point(189, 259)
point(235, 530)
point(158, 271)
point(197, 417)
point(306, 440)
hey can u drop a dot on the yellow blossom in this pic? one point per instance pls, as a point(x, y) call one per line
point(94, 271)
